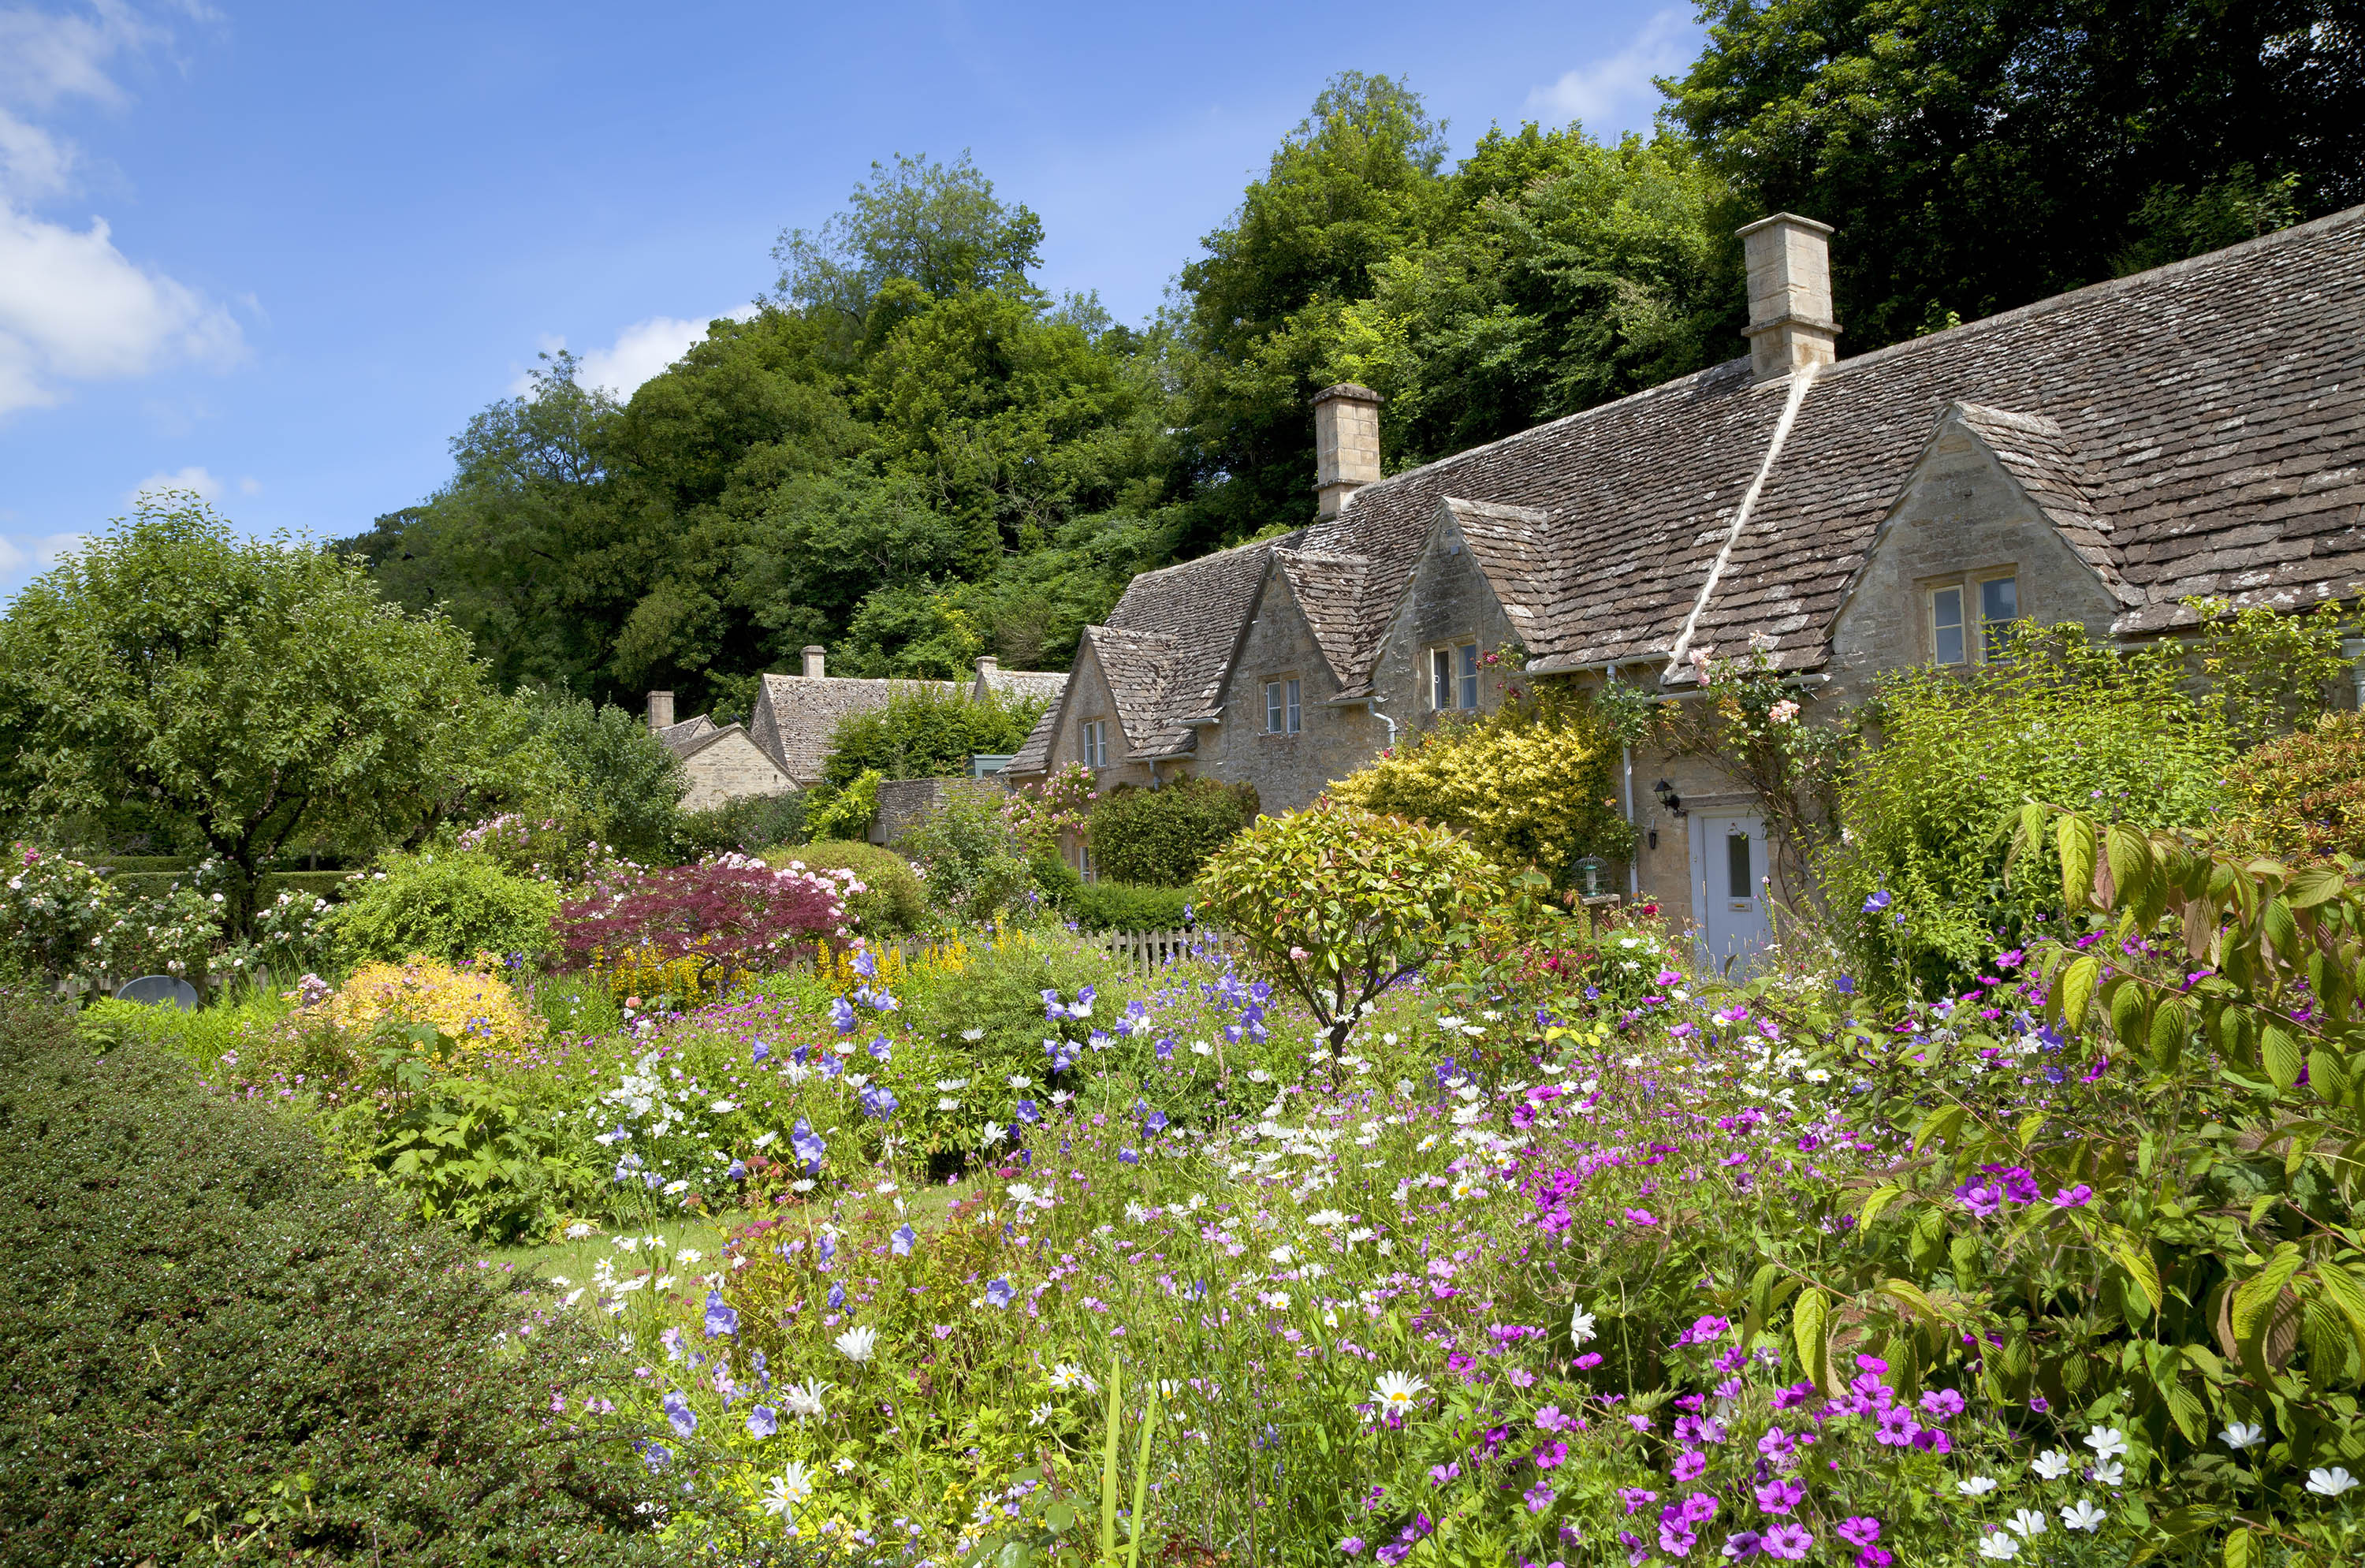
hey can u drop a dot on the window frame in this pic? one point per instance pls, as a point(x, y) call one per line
point(1961, 626)
point(1982, 583)
point(1292, 698)
point(1453, 672)
point(1092, 735)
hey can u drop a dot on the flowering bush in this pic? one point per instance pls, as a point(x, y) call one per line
point(730, 915)
point(55, 914)
point(1062, 803)
point(540, 849)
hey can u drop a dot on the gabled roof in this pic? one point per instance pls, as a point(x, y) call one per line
point(1512, 546)
point(683, 738)
point(1329, 591)
point(691, 746)
point(1137, 665)
point(796, 716)
point(1034, 756)
point(2031, 448)
point(2204, 424)
point(1204, 606)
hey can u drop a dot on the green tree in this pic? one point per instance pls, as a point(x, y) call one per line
point(1979, 154)
point(927, 731)
point(249, 692)
point(607, 771)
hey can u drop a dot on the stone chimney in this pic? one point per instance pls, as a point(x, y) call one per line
point(1791, 320)
point(660, 709)
point(988, 666)
point(812, 661)
point(1346, 443)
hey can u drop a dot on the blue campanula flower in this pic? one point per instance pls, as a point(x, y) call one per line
point(761, 1052)
point(808, 1144)
point(880, 1050)
point(720, 1319)
point(1879, 901)
point(865, 965)
point(836, 1295)
point(678, 1411)
point(763, 1421)
point(1001, 1293)
point(1025, 1111)
point(904, 1240)
point(877, 1101)
point(841, 1012)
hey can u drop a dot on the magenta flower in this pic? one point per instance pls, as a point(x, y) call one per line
point(1675, 1540)
point(1779, 1496)
point(1896, 1427)
point(1939, 1403)
point(1634, 1497)
point(1742, 1543)
point(1688, 1463)
point(1549, 1455)
point(2076, 1197)
point(1775, 1443)
point(1860, 1531)
point(1788, 1542)
point(1538, 1497)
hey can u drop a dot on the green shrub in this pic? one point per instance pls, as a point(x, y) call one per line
point(1055, 882)
point(845, 813)
point(1159, 839)
point(614, 775)
point(970, 854)
point(893, 904)
point(1918, 888)
point(1121, 906)
point(2302, 795)
point(1335, 904)
point(447, 906)
point(217, 1350)
point(927, 731)
point(748, 825)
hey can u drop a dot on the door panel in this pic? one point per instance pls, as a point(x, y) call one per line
point(1729, 870)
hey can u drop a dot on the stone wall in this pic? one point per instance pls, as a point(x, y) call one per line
point(1087, 699)
point(1447, 601)
point(902, 801)
point(729, 768)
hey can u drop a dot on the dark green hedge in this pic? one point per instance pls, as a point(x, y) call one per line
point(1160, 837)
point(1121, 906)
point(216, 1349)
point(327, 884)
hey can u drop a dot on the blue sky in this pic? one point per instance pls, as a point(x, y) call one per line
point(280, 253)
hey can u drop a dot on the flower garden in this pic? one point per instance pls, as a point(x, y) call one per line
point(1415, 1217)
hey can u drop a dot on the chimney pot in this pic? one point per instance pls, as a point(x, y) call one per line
point(988, 666)
point(814, 652)
point(1346, 443)
point(1790, 324)
point(660, 709)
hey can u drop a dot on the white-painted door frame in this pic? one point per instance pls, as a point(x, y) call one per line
point(1731, 927)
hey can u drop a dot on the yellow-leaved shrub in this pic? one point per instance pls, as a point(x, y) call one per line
point(1530, 784)
point(472, 1005)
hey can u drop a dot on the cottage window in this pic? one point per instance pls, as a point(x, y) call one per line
point(1281, 714)
point(1946, 642)
point(1453, 678)
point(1094, 736)
point(1999, 608)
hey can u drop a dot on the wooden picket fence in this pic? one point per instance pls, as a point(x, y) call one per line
point(1155, 950)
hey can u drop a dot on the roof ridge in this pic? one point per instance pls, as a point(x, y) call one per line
point(1276, 541)
point(2331, 222)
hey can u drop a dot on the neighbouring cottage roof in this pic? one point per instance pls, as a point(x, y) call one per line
point(796, 716)
point(1028, 685)
point(2201, 428)
point(1329, 589)
point(687, 736)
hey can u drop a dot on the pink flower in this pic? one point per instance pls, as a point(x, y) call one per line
point(1779, 1497)
point(1688, 1463)
point(1297, 955)
point(1788, 1542)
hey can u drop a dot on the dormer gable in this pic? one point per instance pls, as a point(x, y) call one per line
point(1996, 521)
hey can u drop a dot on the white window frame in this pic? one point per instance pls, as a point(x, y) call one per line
point(1284, 708)
point(1973, 625)
point(1453, 678)
point(1960, 626)
point(1981, 584)
point(1093, 735)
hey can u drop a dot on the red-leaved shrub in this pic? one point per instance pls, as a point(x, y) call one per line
point(731, 912)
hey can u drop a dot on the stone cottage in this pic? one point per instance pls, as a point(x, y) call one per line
point(787, 739)
point(2099, 456)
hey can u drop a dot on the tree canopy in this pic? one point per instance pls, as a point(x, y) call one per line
point(912, 454)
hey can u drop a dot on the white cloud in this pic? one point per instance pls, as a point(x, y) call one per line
point(196, 480)
point(640, 352)
point(1616, 95)
point(17, 554)
point(73, 306)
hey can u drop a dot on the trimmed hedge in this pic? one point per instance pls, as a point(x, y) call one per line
point(216, 1348)
point(1121, 906)
point(1160, 837)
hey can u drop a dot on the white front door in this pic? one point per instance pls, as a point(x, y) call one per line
point(1728, 871)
